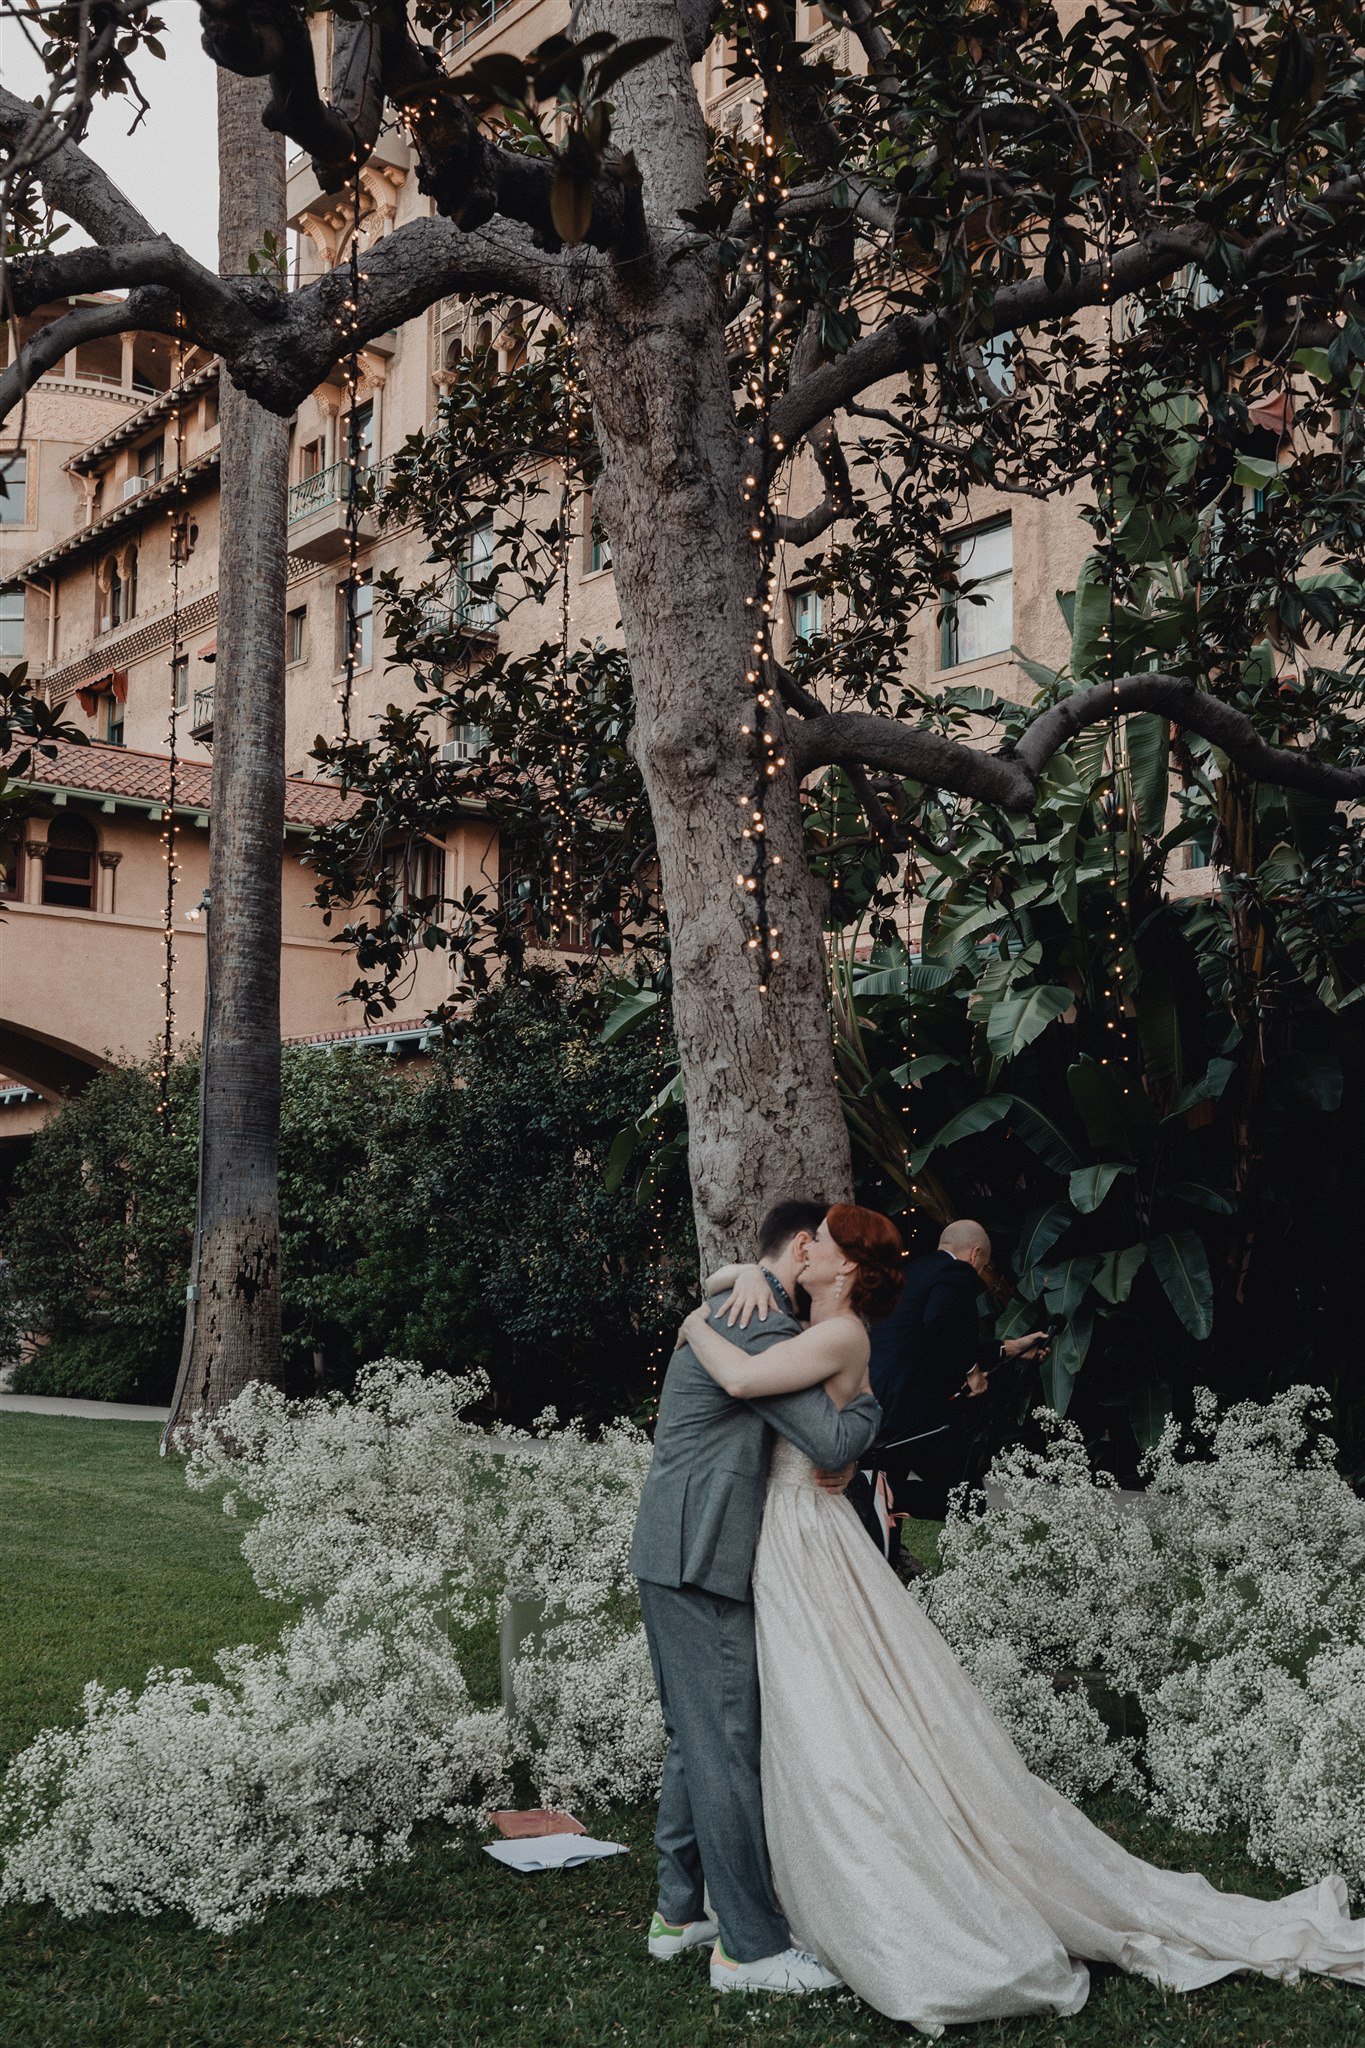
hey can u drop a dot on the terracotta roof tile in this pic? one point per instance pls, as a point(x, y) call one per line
point(124, 771)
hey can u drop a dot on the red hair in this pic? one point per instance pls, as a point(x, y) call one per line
point(874, 1244)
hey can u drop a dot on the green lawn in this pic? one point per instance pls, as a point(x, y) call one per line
point(107, 1565)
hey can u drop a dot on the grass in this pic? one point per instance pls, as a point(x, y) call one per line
point(108, 1565)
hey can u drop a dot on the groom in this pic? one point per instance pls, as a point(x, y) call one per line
point(692, 1554)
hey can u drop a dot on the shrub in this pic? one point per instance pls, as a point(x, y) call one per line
point(461, 1215)
point(96, 1365)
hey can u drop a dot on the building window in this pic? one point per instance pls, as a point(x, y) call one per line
point(973, 628)
point(807, 615)
point(477, 603)
point(130, 583)
point(111, 594)
point(113, 722)
point(364, 621)
point(599, 547)
point(297, 639)
point(180, 670)
point(151, 460)
point(69, 868)
point(14, 487)
point(310, 460)
point(416, 871)
point(12, 622)
point(11, 863)
point(364, 431)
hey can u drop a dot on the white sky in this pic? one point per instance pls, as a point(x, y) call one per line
point(169, 167)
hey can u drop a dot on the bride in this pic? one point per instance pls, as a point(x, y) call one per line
point(911, 1846)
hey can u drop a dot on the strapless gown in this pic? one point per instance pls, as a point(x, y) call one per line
point(912, 1848)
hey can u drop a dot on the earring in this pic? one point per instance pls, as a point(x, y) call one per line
point(839, 1287)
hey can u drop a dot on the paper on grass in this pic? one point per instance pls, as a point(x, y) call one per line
point(551, 1852)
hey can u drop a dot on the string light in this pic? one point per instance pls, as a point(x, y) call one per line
point(1114, 991)
point(178, 521)
point(349, 326)
point(761, 258)
point(561, 852)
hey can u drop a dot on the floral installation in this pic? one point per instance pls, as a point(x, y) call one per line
point(1206, 1653)
point(1223, 1621)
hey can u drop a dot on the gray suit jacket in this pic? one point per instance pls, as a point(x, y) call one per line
point(703, 1496)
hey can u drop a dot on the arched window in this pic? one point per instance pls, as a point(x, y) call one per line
point(69, 867)
point(11, 860)
point(111, 594)
point(130, 583)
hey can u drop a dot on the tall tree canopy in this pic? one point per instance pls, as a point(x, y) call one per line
point(1012, 244)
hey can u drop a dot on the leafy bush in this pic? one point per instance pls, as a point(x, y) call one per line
point(94, 1365)
point(459, 1215)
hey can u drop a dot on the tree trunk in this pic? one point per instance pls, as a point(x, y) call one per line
point(762, 1101)
point(232, 1329)
point(763, 1111)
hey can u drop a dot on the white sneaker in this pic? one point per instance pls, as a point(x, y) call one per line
point(666, 1941)
point(795, 1969)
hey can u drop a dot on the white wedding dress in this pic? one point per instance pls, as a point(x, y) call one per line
point(912, 1848)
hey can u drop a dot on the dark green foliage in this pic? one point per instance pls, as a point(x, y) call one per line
point(462, 1216)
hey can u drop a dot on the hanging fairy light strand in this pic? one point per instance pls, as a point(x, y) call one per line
point(349, 324)
point(177, 518)
point(760, 264)
point(561, 849)
point(1116, 1050)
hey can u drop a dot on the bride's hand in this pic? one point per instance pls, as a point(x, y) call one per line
point(751, 1296)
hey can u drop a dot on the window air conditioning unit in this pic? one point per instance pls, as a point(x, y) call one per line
point(133, 484)
point(466, 747)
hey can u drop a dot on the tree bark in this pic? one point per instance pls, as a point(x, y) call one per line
point(232, 1330)
point(763, 1109)
point(762, 1101)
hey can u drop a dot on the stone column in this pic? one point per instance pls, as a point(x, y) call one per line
point(35, 852)
point(108, 869)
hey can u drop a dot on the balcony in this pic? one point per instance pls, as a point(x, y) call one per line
point(201, 722)
point(317, 512)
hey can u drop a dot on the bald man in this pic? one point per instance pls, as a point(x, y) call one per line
point(928, 1359)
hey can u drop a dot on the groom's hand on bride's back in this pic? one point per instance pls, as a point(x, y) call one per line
point(834, 1482)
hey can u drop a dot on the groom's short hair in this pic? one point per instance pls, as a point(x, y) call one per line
point(782, 1222)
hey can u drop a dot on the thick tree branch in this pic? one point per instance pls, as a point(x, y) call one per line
point(696, 19)
point(909, 340)
point(279, 346)
point(73, 184)
point(1010, 777)
point(146, 308)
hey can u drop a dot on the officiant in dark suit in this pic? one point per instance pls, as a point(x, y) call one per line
point(930, 1359)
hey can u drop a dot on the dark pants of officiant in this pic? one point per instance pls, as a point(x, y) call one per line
point(711, 1804)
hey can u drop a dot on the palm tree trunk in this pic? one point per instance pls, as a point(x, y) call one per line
point(232, 1323)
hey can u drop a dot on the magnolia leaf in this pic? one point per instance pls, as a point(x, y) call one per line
point(633, 1006)
point(1179, 1262)
point(570, 207)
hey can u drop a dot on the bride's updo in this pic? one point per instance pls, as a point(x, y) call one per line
point(874, 1245)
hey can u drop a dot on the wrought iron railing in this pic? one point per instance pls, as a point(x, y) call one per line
point(203, 708)
point(328, 487)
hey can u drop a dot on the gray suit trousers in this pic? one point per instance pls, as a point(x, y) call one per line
point(711, 1806)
